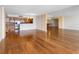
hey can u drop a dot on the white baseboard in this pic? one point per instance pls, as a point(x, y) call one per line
point(71, 28)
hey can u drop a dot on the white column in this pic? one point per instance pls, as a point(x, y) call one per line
point(2, 23)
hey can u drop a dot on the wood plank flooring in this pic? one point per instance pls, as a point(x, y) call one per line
point(55, 41)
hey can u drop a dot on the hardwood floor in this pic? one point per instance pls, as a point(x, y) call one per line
point(55, 41)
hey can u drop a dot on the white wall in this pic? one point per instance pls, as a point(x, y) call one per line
point(2, 23)
point(29, 26)
point(71, 22)
point(41, 22)
point(71, 17)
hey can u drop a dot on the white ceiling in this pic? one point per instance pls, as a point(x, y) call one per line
point(32, 9)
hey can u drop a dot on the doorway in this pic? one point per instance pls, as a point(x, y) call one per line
point(52, 23)
point(55, 22)
point(55, 25)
